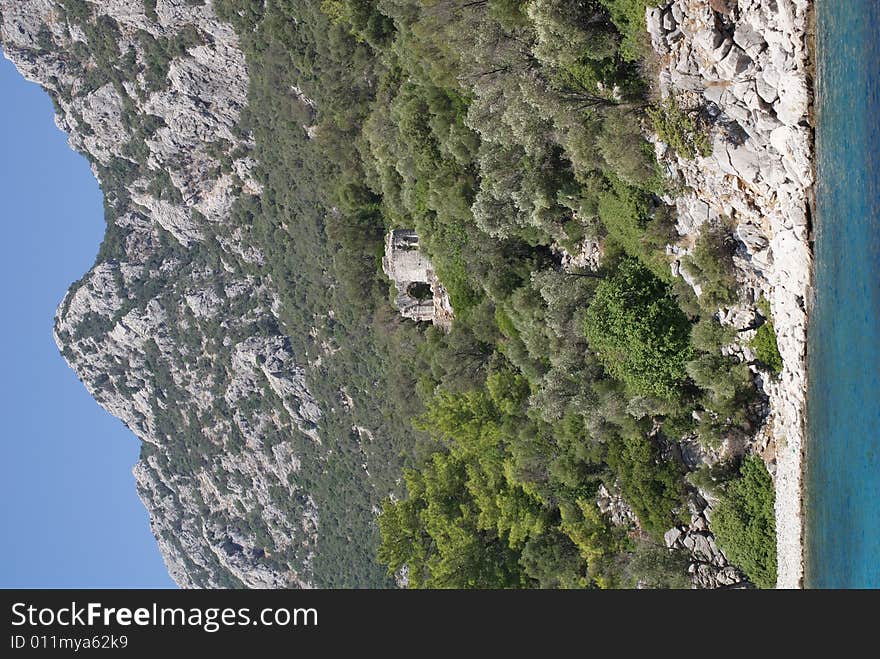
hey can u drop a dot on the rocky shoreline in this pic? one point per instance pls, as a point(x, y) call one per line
point(745, 66)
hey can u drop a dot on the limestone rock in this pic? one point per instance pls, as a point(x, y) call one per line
point(793, 99)
point(733, 63)
point(749, 39)
point(752, 237)
point(654, 19)
point(746, 63)
point(613, 505)
point(672, 536)
point(792, 143)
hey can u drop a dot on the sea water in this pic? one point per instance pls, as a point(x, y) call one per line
point(842, 471)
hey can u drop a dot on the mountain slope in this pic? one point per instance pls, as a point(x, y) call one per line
point(175, 329)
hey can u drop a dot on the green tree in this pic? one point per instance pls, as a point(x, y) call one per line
point(570, 31)
point(766, 348)
point(651, 485)
point(626, 152)
point(744, 523)
point(638, 331)
point(434, 533)
point(554, 561)
point(711, 262)
point(653, 566)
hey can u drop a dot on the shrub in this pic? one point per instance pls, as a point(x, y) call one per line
point(712, 264)
point(566, 33)
point(638, 331)
point(650, 484)
point(766, 348)
point(711, 480)
point(709, 335)
point(654, 566)
point(626, 152)
point(631, 220)
point(78, 11)
point(678, 129)
point(150, 10)
point(744, 523)
point(629, 18)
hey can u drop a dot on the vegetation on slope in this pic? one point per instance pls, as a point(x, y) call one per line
point(745, 524)
point(764, 341)
point(495, 129)
point(499, 130)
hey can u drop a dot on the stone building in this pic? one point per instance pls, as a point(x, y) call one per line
point(420, 295)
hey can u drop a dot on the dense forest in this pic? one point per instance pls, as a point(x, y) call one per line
point(507, 133)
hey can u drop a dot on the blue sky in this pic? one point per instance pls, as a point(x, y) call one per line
point(68, 507)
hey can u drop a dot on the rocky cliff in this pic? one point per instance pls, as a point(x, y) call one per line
point(744, 66)
point(174, 329)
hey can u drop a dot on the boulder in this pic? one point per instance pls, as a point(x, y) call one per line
point(677, 13)
point(745, 162)
point(715, 93)
point(745, 91)
point(733, 64)
point(727, 576)
point(687, 81)
point(615, 507)
point(791, 254)
point(705, 576)
point(717, 555)
point(774, 173)
point(791, 106)
point(737, 111)
point(702, 547)
point(710, 41)
point(762, 260)
point(752, 237)
point(691, 214)
point(758, 139)
point(672, 536)
point(766, 122)
point(654, 20)
point(792, 144)
point(749, 39)
point(765, 90)
point(740, 317)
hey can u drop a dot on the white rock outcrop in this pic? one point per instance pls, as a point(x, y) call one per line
point(748, 68)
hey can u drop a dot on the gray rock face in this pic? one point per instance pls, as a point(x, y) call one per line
point(709, 567)
point(672, 536)
point(754, 79)
point(170, 330)
point(612, 504)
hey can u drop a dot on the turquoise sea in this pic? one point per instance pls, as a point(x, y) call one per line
point(842, 478)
